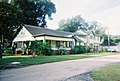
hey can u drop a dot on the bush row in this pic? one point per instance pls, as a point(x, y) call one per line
point(41, 48)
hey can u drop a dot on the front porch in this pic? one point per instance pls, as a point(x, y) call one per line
point(56, 43)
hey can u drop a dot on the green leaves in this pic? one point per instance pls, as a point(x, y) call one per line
point(35, 11)
point(72, 24)
point(11, 20)
point(41, 48)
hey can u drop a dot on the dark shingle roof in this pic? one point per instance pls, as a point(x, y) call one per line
point(38, 31)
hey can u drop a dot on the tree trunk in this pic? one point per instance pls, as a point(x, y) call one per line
point(1, 46)
point(0, 51)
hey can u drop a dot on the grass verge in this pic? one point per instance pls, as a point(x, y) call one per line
point(29, 60)
point(109, 73)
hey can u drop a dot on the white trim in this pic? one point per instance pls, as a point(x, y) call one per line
point(24, 35)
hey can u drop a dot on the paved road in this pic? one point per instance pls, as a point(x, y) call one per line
point(57, 71)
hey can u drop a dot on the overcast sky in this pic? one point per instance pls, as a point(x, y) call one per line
point(107, 12)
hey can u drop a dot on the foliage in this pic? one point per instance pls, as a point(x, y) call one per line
point(79, 49)
point(7, 51)
point(62, 51)
point(10, 20)
point(98, 28)
point(75, 23)
point(36, 11)
point(106, 49)
point(116, 38)
point(72, 24)
point(39, 47)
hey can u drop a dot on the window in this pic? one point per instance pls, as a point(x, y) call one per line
point(98, 38)
point(57, 43)
point(91, 37)
point(70, 44)
point(91, 45)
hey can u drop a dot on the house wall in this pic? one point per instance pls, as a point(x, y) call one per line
point(93, 40)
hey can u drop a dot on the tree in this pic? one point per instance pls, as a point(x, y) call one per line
point(36, 11)
point(11, 22)
point(116, 38)
point(97, 28)
point(72, 24)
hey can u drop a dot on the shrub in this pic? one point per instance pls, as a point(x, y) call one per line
point(39, 47)
point(106, 50)
point(7, 51)
point(80, 49)
point(62, 51)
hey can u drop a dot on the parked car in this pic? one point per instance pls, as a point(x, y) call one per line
point(111, 50)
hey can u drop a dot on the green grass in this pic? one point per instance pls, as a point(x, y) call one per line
point(29, 60)
point(109, 73)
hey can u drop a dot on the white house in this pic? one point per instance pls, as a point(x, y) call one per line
point(55, 38)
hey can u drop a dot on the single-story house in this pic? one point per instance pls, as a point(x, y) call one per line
point(57, 39)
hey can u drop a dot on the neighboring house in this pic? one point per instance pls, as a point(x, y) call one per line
point(57, 39)
point(88, 39)
point(80, 37)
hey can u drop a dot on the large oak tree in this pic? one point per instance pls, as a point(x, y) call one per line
point(36, 11)
point(11, 22)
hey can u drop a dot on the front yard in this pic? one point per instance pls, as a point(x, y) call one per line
point(29, 60)
point(109, 73)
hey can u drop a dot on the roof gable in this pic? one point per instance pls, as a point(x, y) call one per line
point(23, 35)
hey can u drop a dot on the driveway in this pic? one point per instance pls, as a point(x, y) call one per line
point(57, 71)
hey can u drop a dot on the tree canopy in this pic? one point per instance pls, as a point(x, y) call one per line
point(78, 23)
point(72, 24)
point(10, 20)
point(36, 11)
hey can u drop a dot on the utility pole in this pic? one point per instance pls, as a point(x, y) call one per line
point(108, 38)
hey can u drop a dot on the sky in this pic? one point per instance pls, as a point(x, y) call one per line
point(107, 12)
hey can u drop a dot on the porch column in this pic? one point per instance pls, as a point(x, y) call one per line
point(44, 40)
point(22, 45)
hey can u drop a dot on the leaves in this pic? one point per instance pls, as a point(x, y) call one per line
point(35, 11)
point(72, 24)
point(41, 48)
point(10, 20)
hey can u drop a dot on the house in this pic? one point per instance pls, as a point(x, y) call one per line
point(88, 39)
point(57, 39)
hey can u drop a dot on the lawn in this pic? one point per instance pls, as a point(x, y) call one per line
point(109, 73)
point(29, 60)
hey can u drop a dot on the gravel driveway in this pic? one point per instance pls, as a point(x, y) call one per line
point(58, 71)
